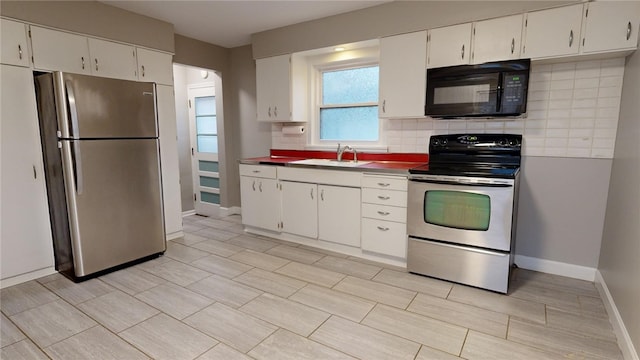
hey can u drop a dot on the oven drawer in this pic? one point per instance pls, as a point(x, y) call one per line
point(385, 182)
point(384, 237)
point(482, 268)
point(384, 197)
point(384, 212)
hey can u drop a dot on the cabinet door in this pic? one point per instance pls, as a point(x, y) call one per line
point(497, 39)
point(339, 214)
point(169, 160)
point(112, 60)
point(13, 50)
point(553, 32)
point(300, 208)
point(26, 232)
point(260, 201)
point(60, 51)
point(402, 75)
point(449, 46)
point(611, 25)
point(273, 87)
point(155, 66)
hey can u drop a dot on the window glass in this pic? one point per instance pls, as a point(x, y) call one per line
point(457, 209)
point(349, 108)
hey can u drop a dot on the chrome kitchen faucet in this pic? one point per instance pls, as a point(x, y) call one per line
point(346, 148)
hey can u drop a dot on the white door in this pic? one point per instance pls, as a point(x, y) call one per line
point(204, 149)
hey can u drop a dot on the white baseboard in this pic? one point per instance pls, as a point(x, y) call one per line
point(188, 213)
point(556, 268)
point(624, 340)
point(234, 210)
point(174, 235)
point(26, 277)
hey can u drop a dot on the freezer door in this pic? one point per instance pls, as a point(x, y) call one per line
point(115, 202)
point(99, 107)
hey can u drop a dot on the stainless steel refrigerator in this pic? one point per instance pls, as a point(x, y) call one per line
point(102, 168)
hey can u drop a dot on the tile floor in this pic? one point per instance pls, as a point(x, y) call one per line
point(219, 293)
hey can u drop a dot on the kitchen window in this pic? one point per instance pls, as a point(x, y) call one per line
point(348, 106)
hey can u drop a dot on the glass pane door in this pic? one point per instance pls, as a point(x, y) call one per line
point(204, 143)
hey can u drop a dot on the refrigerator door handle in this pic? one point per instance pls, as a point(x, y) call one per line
point(77, 159)
point(77, 167)
point(73, 109)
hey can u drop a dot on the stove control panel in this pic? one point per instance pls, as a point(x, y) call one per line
point(474, 142)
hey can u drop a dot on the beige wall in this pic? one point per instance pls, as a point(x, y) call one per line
point(561, 209)
point(387, 19)
point(94, 18)
point(200, 54)
point(620, 254)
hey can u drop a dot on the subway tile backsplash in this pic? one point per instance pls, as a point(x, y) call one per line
point(572, 111)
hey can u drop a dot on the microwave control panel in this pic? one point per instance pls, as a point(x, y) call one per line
point(514, 89)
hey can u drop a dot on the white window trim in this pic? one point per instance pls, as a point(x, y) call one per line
point(334, 61)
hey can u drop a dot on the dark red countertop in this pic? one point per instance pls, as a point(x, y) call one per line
point(378, 161)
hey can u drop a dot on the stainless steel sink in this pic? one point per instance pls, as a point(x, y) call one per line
point(329, 162)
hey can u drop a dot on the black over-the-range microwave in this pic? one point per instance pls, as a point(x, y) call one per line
point(484, 90)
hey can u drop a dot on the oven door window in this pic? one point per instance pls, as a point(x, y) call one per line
point(463, 95)
point(457, 209)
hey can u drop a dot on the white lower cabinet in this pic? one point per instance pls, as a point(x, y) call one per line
point(26, 244)
point(384, 215)
point(260, 197)
point(339, 214)
point(300, 208)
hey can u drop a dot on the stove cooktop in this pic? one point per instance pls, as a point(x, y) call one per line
point(477, 155)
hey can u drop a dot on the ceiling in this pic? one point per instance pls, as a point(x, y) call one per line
point(230, 23)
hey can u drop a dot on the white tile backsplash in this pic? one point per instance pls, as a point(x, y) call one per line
point(572, 111)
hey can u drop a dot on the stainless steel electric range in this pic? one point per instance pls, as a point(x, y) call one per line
point(461, 215)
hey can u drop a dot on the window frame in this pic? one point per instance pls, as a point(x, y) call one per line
point(331, 62)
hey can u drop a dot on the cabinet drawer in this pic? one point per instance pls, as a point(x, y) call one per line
point(385, 182)
point(384, 237)
point(384, 197)
point(262, 171)
point(384, 212)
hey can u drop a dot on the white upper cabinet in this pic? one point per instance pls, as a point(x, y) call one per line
point(552, 33)
point(611, 26)
point(154, 66)
point(113, 60)
point(449, 46)
point(497, 39)
point(402, 75)
point(14, 49)
point(273, 86)
point(60, 51)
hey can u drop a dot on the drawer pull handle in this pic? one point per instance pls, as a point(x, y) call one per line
point(256, 171)
point(254, 185)
point(20, 49)
point(383, 184)
point(383, 197)
point(383, 213)
point(382, 228)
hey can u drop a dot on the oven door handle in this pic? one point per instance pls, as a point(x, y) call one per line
point(462, 183)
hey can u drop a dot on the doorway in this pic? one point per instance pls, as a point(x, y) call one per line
point(205, 165)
